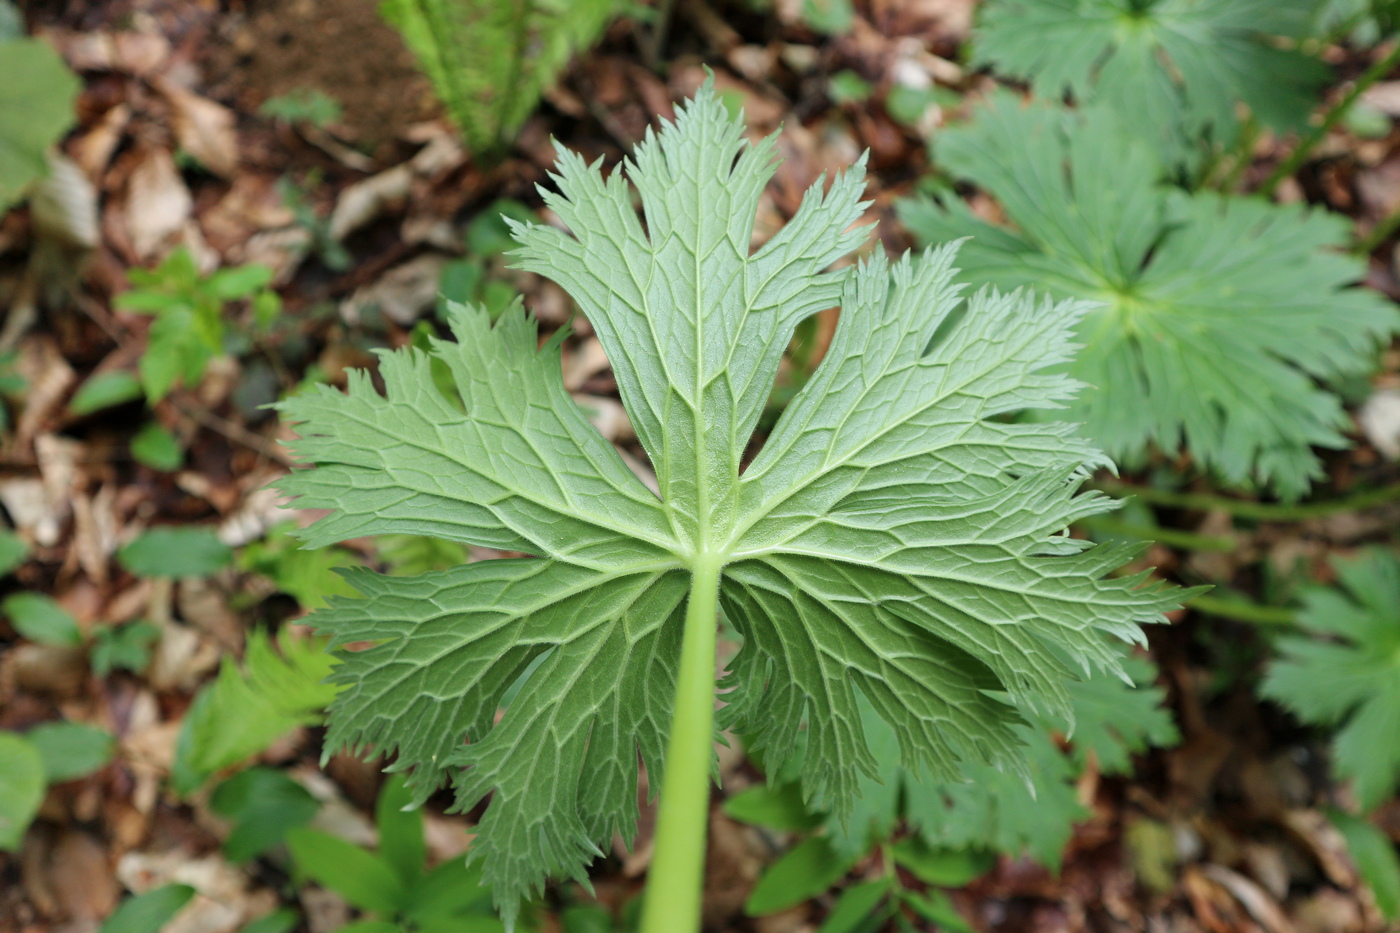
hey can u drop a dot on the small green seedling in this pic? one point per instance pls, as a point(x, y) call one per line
point(11, 383)
point(149, 912)
point(395, 886)
point(51, 753)
point(252, 705)
point(304, 105)
point(123, 647)
point(474, 279)
point(189, 310)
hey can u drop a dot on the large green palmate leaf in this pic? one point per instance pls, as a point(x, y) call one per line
point(1217, 316)
point(1350, 676)
point(491, 60)
point(895, 539)
point(1173, 70)
point(36, 107)
point(988, 808)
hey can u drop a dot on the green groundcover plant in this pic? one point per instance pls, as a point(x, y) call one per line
point(896, 541)
point(190, 313)
point(37, 91)
point(1348, 676)
point(491, 60)
point(946, 833)
point(994, 809)
point(1219, 320)
point(1173, 70)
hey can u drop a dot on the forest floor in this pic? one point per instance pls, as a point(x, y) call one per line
point(357, 216)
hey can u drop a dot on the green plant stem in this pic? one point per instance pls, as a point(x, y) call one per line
point(1242, 610)
point(1257, 511)
point(1304, 148)
point(1378, 234)
point(655, 40)
point(677, 874)
point(1244, 154)
point(1171, 537)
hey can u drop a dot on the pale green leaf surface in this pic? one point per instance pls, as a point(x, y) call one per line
point(521, 469)
point(175, 551)
point(41, 619)
point(895, 539)
point(1374, 853)
point(1114, 721)
point(1352, 678)
point(249, 707)
point(1174, 70)
point(1218, 317)
point(356, 875)
point(13, 551)
point(21, 788)
point(149, 912)
point(986, 807)
point(71, 750)
point(37, 91)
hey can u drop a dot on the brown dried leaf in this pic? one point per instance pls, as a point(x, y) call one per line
point(223, 902)
point(586, 360)
point(403, 294)
point(63, 208)
point(157, 203)
point(1263, 908)
point(69, 877)
point(48, 670)
point(205, 129)
point(34, 512)
point(48, 377)
point(1324, 843)
point(365, 201)
point(253, 204)
point(93, 150)
point(181, 659)
point(128, 51)
point(95, 531)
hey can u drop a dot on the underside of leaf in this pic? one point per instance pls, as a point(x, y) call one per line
point(898, 537)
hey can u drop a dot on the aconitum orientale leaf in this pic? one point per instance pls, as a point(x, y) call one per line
point(896, 538)
point(1220, 321)
point(1348, 676)
point(1173, 71)
point(999, 810)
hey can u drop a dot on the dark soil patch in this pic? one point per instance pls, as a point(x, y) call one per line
point(339, 47)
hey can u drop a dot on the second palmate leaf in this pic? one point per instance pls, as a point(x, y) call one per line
point(1216, 317)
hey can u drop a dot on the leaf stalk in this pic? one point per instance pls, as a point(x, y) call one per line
point(676, 879)
point(1250, 509)
point(1295, 160)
